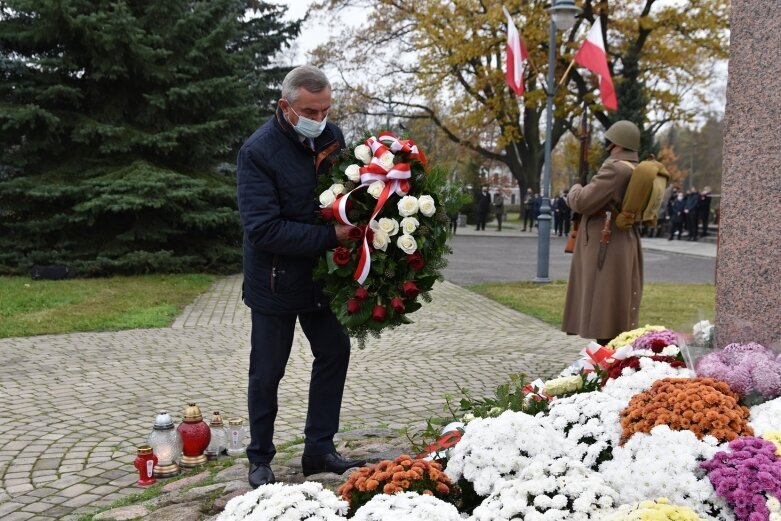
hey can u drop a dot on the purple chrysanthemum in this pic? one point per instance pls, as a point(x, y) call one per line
point(656, 338)
point(746, 476)
point(747, 368)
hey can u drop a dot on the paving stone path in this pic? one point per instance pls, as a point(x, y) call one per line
point(74, 407)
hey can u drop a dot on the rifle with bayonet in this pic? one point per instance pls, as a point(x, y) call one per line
point(585, 141)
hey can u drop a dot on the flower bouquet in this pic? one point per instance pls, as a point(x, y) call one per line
point(751, 370)
point(392, 477)
point(395, 205)
point(278, 501)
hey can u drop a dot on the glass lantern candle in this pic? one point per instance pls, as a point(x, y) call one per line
point(218, 443)
point(196, 436)
point(145, 464)
point(235, 437)
point(166, 445)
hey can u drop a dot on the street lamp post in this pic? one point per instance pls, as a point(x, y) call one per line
point(563, 13)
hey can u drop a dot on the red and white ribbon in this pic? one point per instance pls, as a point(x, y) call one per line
point(396, 179)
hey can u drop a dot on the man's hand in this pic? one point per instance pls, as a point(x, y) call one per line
point(343, 233)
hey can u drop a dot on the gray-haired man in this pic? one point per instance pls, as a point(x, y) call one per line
point(277, 173)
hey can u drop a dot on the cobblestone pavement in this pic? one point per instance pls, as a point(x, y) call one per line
point(74, 407)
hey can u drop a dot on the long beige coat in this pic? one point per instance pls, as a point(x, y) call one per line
point(603, 303)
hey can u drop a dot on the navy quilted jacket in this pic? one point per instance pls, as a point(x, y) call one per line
point(277, 174)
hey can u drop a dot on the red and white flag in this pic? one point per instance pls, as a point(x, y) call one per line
point(592, 56)
point(516, 56)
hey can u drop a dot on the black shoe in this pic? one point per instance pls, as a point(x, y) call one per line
point(333, 462)
point(260, 474)
point(670, 239)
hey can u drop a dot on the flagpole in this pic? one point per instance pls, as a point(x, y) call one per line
point(566, 73)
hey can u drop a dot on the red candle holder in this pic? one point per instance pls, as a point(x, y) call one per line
point(196, 436)
point(145, 463)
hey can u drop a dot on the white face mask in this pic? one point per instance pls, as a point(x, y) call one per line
point(308, 127)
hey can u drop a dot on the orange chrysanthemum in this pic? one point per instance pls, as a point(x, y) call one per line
point(705, 406)
point(391, 477)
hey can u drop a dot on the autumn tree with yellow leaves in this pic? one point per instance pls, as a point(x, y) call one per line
point(444, 60)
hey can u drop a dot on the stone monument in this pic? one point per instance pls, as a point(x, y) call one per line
point(748, 272)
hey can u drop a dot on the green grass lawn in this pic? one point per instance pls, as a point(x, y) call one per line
point(29, 307)
point(677, 306)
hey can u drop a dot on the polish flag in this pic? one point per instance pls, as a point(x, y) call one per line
point(592, 56)
point(516, 56)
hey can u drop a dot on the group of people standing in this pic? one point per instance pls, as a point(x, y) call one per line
point(560, 210)
point(689, 210)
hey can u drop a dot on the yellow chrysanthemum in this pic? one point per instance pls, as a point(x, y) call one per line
point(775, 439)
point(627, 337)
point(659, 510)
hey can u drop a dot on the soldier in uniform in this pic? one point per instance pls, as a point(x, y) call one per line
point(606, 276)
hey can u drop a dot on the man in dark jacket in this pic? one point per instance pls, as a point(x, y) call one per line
point(277, 174)
point(690, 210)
point(565, 214)
point(483, 207)
point(528, 210)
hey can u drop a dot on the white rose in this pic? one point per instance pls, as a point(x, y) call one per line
point(426, 205)
point(363, 153)
point(380, 240)
point(389, 226)
point(409, 225)
point(386, 160)
point(327, 198)
point(337, 188)
point(408, 205)
point(375, 189)
point(353, 173)
point(407, 244)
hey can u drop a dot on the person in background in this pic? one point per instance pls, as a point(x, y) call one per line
point(690, 211)
point(605, 284)
point(554, 206)
point(677, 215)
point(703, 209)
point(277, 173)
point(483, 207)
point(528, 210)
point(565, 214)
point(499, 208)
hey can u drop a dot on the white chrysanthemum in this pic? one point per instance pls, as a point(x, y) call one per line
point(494, 450)
point(632, 382)
point(407, 506)
point(666, 463)
point(592, 422)
point(766, 417)
point(557, 490)
point(280, 502)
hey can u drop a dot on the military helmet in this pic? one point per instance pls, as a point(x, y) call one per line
point(624, 134)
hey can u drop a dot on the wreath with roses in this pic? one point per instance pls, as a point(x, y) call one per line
point(383, 188)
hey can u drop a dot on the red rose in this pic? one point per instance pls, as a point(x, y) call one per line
point(410, 289)
point(378, 313)
point(342, 256)
point(397, 303)
point(353, 306)
point(416, 261)
point(327, 213)
point(355, 233)
point(361, 293)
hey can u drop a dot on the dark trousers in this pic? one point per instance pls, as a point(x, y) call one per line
point(704, 220)
point(454, 224)
point(481, 219)
point(566, 223)
point(556, 223)
point(499, 216)
point(676, 227)
point(528, 216)
point(692, 225)
point(271, 340)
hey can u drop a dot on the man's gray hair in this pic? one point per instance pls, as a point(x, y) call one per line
point(307, 77)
